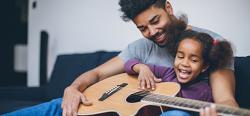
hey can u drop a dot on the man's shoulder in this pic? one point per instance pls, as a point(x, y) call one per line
point(140, 49)
point(211, 33)
point(143, 42)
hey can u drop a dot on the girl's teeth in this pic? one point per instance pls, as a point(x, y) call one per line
point(183, 71)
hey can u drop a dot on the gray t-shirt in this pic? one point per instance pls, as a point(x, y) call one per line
point(149, 53)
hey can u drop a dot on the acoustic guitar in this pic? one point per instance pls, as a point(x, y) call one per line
point(120, 94)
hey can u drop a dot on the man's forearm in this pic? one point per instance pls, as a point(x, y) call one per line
point(223, 84)
point(85, 80)
point(229, 102)
point(109, 68)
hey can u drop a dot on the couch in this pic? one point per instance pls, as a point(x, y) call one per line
point(68, 67)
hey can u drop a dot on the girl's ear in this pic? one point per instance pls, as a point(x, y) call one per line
point(168, 8)
point(205, 67)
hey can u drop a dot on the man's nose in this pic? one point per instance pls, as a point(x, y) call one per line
point(152, 30)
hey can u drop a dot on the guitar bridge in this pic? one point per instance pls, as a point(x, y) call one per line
point(112, 91)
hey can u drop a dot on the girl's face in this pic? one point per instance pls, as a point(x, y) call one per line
point(188, 61)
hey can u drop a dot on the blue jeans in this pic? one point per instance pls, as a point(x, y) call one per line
point(51, 108)
point(175, 113)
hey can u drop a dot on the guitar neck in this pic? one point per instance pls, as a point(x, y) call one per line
point(192, 105)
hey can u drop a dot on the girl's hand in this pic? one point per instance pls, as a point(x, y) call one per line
point(146, 79)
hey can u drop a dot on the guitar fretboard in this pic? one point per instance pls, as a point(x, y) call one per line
point(189, 104)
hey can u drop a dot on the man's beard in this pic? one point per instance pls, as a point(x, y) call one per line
point(172, 30)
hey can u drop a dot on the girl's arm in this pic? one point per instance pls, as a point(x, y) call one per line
point(146, 77)
point(147, 74)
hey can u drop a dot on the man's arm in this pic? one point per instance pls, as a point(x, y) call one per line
point(73, 93)
point(222, 83)
point(110, 68)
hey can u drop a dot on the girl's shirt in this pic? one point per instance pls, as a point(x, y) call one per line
point(198, 89)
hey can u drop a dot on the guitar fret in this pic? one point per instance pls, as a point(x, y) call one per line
point(196, 104)
point(231, 110)
point(177, 101)
point(160, 99)
point(190, 103)
point(223, 110)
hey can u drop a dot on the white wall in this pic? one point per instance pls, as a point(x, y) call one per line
point(75, 26)
point(78, 26)
point(229, 18)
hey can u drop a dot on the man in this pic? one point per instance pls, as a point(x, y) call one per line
point(159, 26)
point(153, 18)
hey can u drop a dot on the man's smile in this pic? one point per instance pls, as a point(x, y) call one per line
point(160, 38)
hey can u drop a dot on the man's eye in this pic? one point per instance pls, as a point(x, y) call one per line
point(155, 22)
point(142, 29)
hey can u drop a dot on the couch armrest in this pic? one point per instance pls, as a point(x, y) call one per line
point(22, 93)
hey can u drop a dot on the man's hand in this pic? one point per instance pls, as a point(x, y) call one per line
point(208, 111)
point(146, 79)
point(73, 94)
point(71, 100)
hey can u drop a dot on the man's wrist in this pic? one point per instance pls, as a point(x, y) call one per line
point(74, 86)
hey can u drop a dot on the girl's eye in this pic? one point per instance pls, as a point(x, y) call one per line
point(194, 61)
point(180, 56)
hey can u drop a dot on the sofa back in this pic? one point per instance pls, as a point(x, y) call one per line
point(68, 67)
point(242, 77)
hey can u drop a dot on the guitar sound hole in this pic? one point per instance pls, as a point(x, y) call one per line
point(136, 97)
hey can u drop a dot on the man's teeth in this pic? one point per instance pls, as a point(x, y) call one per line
point(160, 37)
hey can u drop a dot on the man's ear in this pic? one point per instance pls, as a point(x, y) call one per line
point(168, 8)
point(205, 67)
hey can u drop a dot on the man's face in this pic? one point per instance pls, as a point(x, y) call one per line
point(153, 24)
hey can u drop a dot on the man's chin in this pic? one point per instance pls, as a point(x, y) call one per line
point(161, 44)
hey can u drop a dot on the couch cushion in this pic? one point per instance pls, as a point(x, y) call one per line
point(242, 74)
point(69, 67)
point(104, 56)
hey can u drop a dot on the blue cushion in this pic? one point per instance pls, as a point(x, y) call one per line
point(242, 76)
point(68, 67)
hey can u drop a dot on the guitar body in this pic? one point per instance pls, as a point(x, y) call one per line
point(118, 102)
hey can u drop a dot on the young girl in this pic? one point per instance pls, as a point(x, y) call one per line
point(196, 55)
